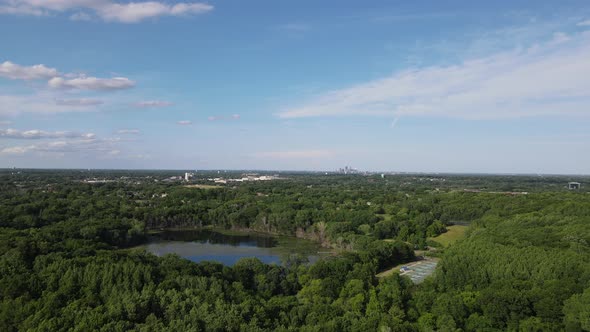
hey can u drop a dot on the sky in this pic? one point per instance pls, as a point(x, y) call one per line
point(409, 86)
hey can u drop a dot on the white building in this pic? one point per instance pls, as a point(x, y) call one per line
point(573, 185)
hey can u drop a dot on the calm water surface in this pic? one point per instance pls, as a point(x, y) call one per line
point(208, 245)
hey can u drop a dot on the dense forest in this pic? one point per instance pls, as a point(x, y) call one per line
point(66, 263)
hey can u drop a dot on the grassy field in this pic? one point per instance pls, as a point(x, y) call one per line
point(452, 234)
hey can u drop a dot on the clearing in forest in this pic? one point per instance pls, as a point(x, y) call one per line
point(453, 233)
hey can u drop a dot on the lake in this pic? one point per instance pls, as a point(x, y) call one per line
point(228, 248)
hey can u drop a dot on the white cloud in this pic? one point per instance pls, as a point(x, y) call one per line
point(62, 81)
point(17, 72)
point(41, 134)
point(128, 12)
point(5, 123)
point(153, 103)
point(184, 123)
point(297, 154)
point(546, 79)
point(16, 150)
point(128, 132)
point(585, 23)
point(78, 102)
point(91, 83)
point(138, 11)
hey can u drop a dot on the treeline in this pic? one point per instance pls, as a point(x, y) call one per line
point(337, 215)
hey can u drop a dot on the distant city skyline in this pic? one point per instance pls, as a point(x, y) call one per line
point(437, 87)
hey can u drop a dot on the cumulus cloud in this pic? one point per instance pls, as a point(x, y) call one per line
point(184, 123)
point(17, 72)
point(57, 80)
point(91, 83)
point(547, 79)
point(153, 103)
point(78, 102)
point(107, 10)
point(41, 134)
point(128, 132)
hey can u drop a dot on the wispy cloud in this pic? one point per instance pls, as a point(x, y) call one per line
point(41, 134)
point(78, 102)
point(11, 105)
point(413, 17)
point(184, 123)
point(223, 117)
point(5, 123)
point(128, 132)
point(153, 103)
point(547, 79)
point(107, 10)
point(60, 143)
point(295, 27)
point(63, 146)
point(585, 23)
point(394, 122)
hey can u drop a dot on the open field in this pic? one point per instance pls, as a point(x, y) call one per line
point(452, 234)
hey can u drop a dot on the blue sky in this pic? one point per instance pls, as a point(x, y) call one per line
point(432, 86)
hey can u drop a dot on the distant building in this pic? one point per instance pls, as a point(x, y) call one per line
point(573, 185)
point(187, 176)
